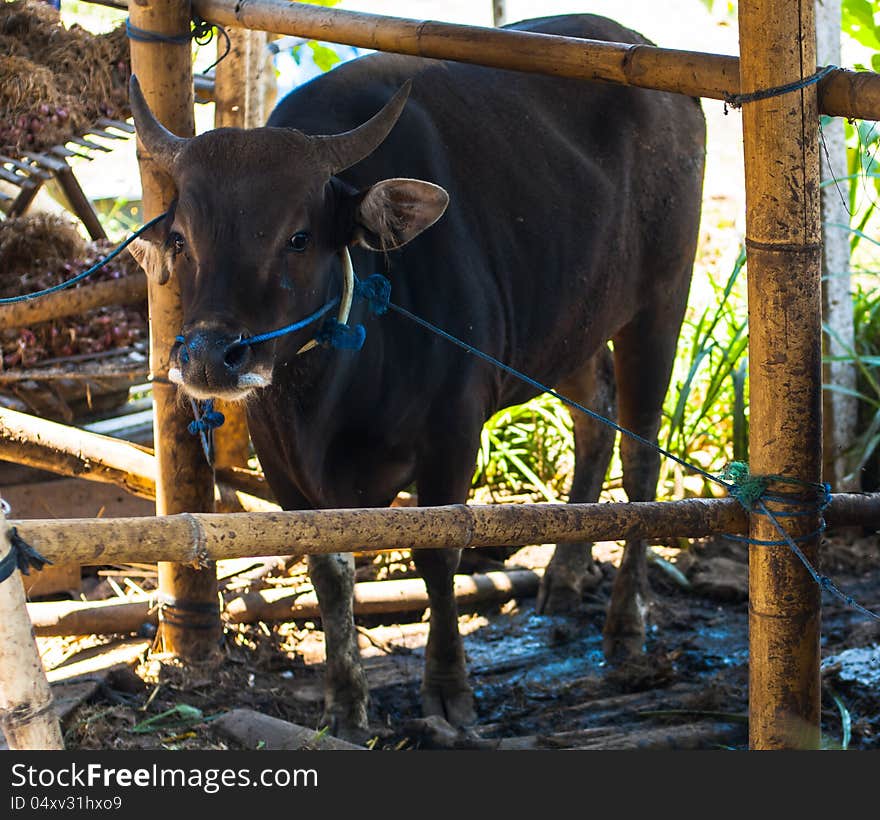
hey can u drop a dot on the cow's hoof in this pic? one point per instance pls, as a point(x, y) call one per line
point(621, 648)
point(454, 703)
point(561, 592)
point(624, 634)
point(353, 728)
point(435, 732)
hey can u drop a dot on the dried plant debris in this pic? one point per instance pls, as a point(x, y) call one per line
point(56, 82)
point(42, 250)
point(34, 244)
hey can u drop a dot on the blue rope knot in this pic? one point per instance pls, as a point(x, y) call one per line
point(210, 419)
point(751, 492)
point(375, 290)
point(201, 32)
point(341, 336)
point(746, 488)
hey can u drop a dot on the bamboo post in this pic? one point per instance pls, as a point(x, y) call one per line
point(26, 715)
point(783, 241)
point(261, 79)
point(841, 94)
point(232, 92)
point(190, 619)
point(840, 409)
point(499, 13)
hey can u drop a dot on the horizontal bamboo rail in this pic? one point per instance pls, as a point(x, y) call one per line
point(69, 451)
point(124, 615)
point(128, 290)
point(59, 448)
point(842, 93)
point(197, 538)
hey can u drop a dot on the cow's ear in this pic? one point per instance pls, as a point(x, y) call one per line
point(394, 211)
point(149, 252)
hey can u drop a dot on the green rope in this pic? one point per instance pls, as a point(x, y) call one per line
point(747, 488)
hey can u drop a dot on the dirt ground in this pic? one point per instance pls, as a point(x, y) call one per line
point(539, 681)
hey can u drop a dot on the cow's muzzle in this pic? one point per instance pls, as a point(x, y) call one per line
point(212, 363)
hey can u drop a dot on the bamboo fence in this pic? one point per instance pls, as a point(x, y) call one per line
point(852, 94)
point(781, 152)
point(200, 538)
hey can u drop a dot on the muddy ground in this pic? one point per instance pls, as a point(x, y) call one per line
point(540, 681)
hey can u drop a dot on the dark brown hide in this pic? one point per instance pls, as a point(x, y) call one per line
point(572, 220)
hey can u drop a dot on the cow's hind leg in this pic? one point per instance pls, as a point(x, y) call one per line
point(444, 478)
point(345, 685)
point(644, 352)
point(571, 570)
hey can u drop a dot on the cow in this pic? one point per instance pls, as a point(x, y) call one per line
point(536, 218)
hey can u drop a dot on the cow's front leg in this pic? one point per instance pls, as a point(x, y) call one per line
point(445, 688)
point(444, 477)
point(345, 685)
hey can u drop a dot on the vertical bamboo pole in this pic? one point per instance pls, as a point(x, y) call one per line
point(190, 618)
point(26, 715)
point(261, 80)
point(499, 13)
point(780, 137)
point(231, 105)
point(840, 410)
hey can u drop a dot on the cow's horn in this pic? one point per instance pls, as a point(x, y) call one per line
point(341, 151)
point(163, 146)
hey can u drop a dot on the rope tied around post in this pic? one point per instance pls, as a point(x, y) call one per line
point(738, 100)
point(21, 556)
point(202, 32)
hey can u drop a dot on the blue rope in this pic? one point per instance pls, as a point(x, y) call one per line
point(202, 31)
point(80, 276)
point(341, 336)
point(737, 100)
point(142, 35)
point(207, 419)
point(282, 331)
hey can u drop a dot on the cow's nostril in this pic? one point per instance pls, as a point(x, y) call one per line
point(236, 355)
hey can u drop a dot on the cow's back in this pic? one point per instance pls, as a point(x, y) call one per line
point(573, 204)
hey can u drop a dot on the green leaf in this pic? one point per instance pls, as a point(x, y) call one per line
point(324, 56)
point(857, 21)
point(845, 720)
point(177, 717)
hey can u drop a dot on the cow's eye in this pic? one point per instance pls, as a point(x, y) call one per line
point(299, 241)
point(176, 242)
